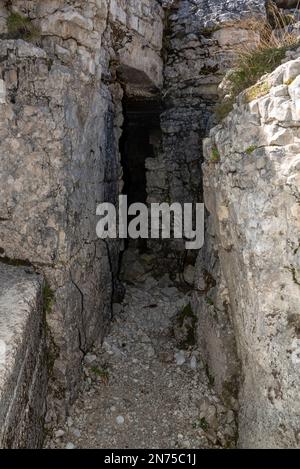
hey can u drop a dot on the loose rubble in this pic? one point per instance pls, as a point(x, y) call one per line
point(141, 390)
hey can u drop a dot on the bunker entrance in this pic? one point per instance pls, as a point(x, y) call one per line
point(140, 129)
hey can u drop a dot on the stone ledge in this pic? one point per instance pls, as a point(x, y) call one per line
point(22, 358)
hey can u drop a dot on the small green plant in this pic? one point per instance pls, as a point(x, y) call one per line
point(215, 155)
point(102, 373)
point(209, 301)
point(48, 298)
point(202, 423)
point(250, 149)
point(21, 27)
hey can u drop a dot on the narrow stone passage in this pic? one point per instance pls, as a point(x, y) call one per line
point(141, 389)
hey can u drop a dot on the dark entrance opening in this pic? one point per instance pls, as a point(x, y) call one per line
point(141, 121)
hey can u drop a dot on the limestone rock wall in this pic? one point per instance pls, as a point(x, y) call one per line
point(201, 39)
point(23, 361)
point(199, 43)
point(61, 117)
point(61, 120)
point(252, 195)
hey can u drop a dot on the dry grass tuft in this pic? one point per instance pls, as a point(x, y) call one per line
point(254, 61)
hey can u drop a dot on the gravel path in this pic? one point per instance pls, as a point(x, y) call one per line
point(141, 390)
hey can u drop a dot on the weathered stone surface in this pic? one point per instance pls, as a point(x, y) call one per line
point(252, 195)
point(200, 39)
point(42, 191)
point(60, 124)
point(61, 120)
point(23, 370)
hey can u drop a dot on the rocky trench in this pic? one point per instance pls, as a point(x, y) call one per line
point(148, 386)
point(199, 350)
